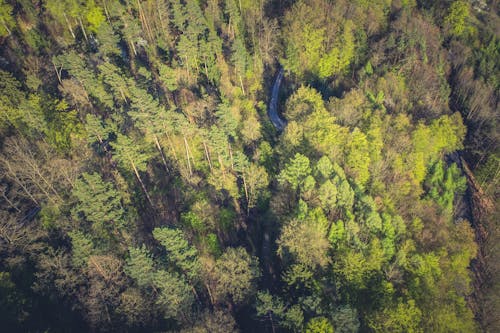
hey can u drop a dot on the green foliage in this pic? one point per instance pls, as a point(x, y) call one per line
point(303, 102)
point(179, 251)
point(443, 135)
point(444, 184)
point(130, 154)
point(213, 245)
point(6, 19)
point(269, 306)
point(96, 130)
point(457, 19)
point(310, 49)
point(236, 273)
point(405, 317)
point(345, 320)
point(305, 241)
point(358, 157)
point(328, 195)
point(82, 248)
point(319, 324)
point(294, 318)
point(324, 167)
point(24, 112)
point(368, 68)
point(175, 296)
point(168, 77)
point(95, 18)
point(296, 171)
point(63, 126)
point(349, 207)
point(338, 59)
point(140, 266)
point(99, 203)
point(256, 180)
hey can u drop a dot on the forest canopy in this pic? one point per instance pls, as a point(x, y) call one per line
point(146, 187)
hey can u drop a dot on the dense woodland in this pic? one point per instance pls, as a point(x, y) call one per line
point(144, 188)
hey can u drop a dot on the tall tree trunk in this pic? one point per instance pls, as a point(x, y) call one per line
point(187, 156)
point(212, 301)
point(242, 87)
point(58, 72)
point(142, 184)
point(208, 156)
point(157, 143)
point(246, 193)
point(106, 12)
point(69, 26)
point(83, 28)
point(144, 22)
point(272, 322)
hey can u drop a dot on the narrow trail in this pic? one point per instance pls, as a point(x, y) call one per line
point(267, 246)
point(273, 104)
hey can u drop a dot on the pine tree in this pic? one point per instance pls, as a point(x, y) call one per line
point(180, 253)
point(99, 203)
point(132, 156)
point(174, 297)
point(296, 171)
point(140, 266)
point(7, 22)
point(82, 248)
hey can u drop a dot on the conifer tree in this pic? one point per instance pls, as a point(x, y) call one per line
point(99, 203)
point(132, 156)
point(140, 266)
point(180, 253)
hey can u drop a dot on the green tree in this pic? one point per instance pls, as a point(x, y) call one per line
point(175, 296)
point(235, 276)
point(319, 324)
point(457, 19)
point(324, 167)
point(338, 59)
point(147, 115)
point(296, 171)
point(305, 240)
point(179, 251)
point(240, 60)
point(97, 130)
point(132, 155)
point(405, 317)
point(358, 157)
point(328, 195)
point(345, 320)
point(24, 112)
point(99, 203)
point(95, 17)
point(140, 266)
point(82, 248)
point(444, 183)
point(6, 19)
point(270, 307)
point(255, 182)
